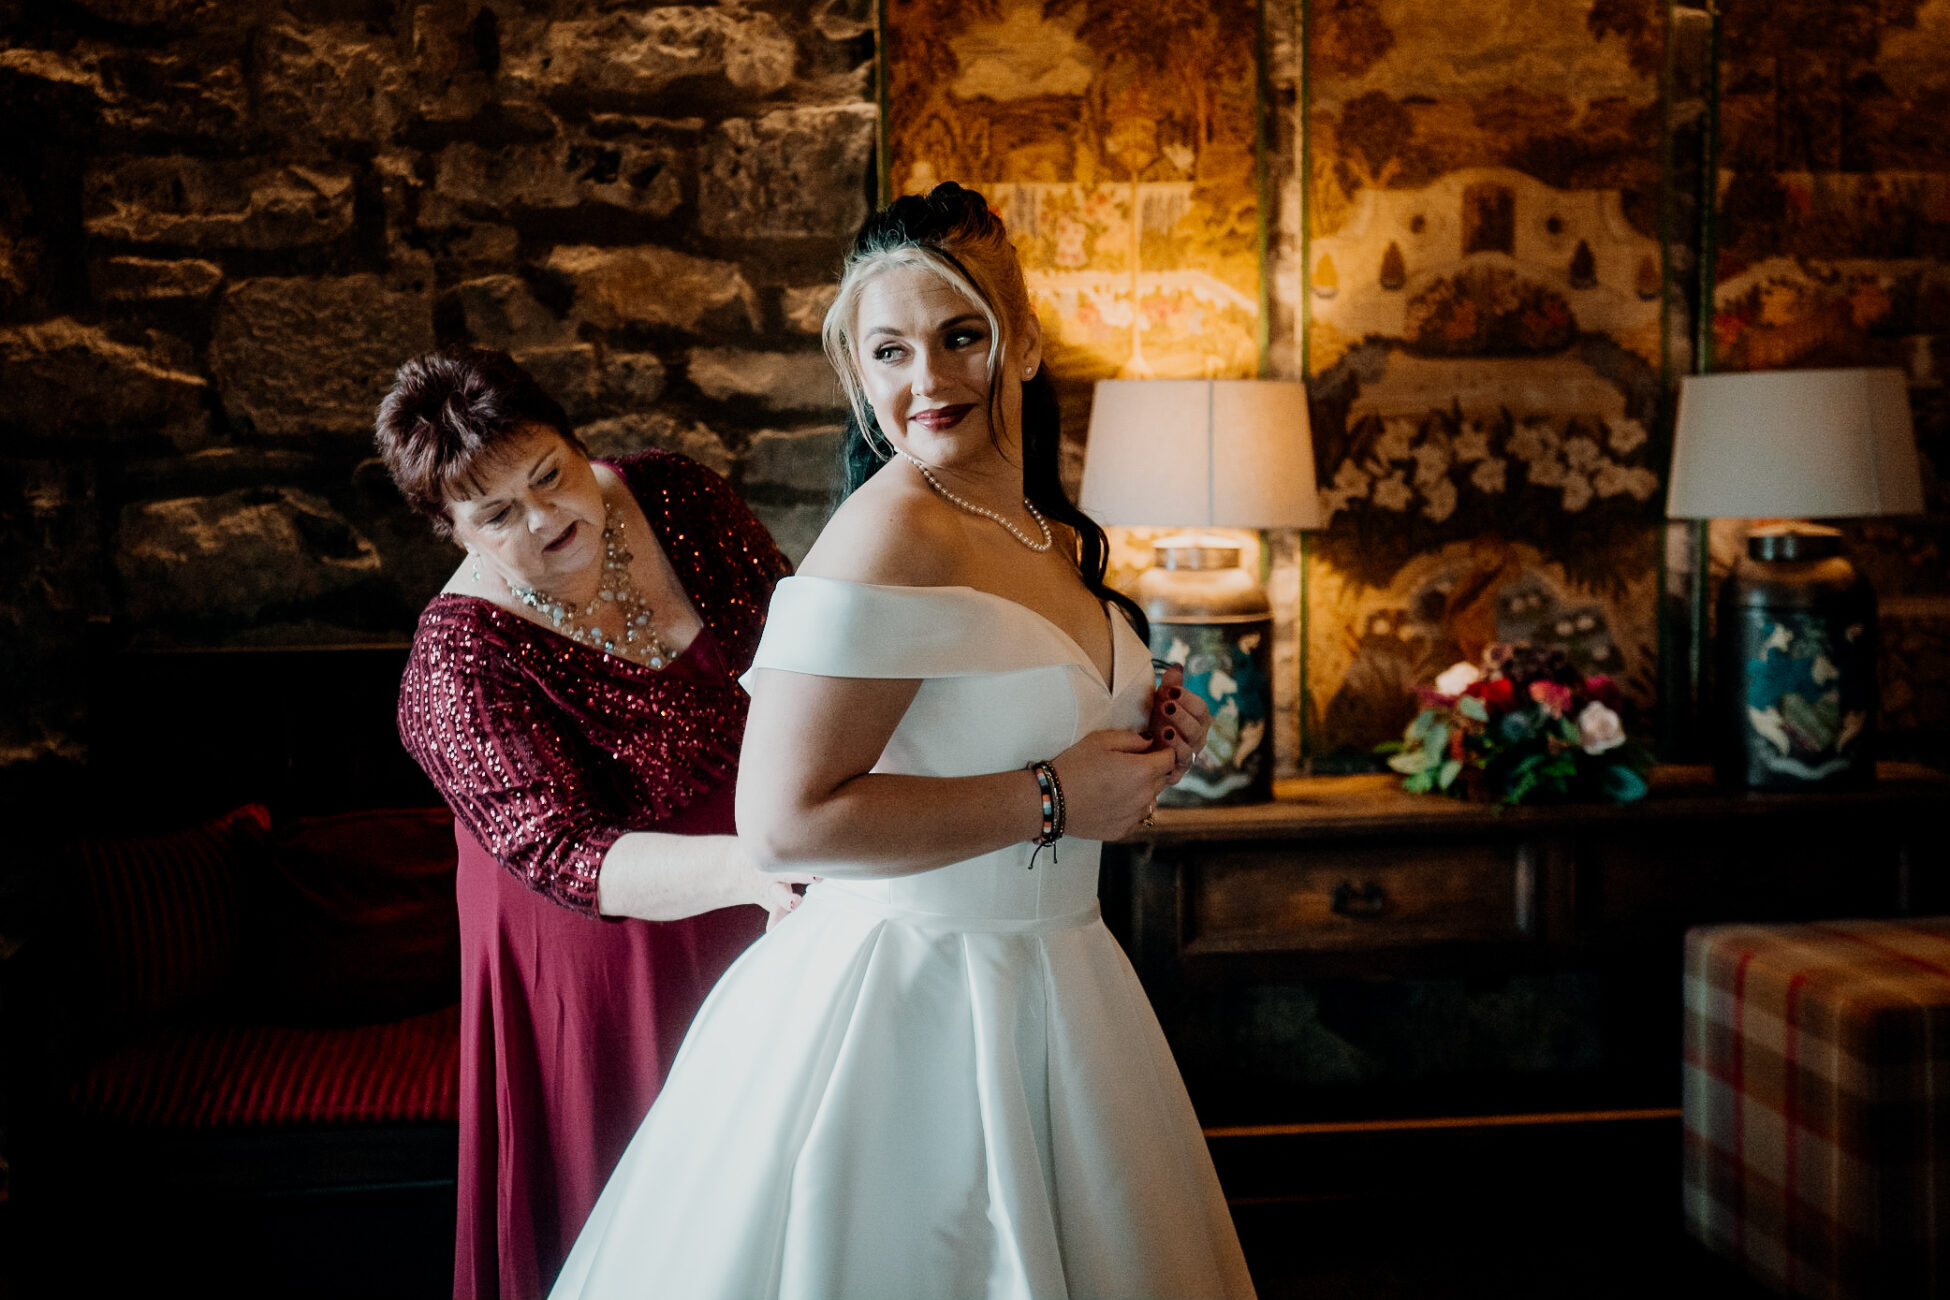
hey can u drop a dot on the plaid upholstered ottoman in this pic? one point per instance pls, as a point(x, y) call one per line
point(1817, 1103)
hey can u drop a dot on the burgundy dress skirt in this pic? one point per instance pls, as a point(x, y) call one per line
point(549, 751)
point(569, 1026)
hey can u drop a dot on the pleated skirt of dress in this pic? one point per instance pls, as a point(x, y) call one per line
point(884, 1106)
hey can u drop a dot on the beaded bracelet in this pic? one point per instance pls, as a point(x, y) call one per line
point(1054, 811)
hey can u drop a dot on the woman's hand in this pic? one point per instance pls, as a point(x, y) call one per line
point(1111, 781)
point(774, 892)
point(1179, 720)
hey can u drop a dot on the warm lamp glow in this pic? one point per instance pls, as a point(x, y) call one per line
point(1794, 444)
point(1201, 453)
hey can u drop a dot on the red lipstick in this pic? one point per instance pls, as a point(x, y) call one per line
point(566, 536)
point(941, 417)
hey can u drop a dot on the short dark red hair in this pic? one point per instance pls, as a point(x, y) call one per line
point(450, 414)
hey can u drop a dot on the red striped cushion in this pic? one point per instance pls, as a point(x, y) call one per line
point(166, 910)
point(230, 1076)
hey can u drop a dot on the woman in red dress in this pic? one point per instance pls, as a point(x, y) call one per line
point(573, 694)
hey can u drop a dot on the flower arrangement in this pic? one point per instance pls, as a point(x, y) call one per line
point(1524, 726)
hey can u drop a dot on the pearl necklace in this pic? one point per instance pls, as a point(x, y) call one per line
point(640, 644)
point(987, 513)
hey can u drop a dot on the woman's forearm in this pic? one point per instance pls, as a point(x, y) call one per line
point(657, 877)
point(882, 824)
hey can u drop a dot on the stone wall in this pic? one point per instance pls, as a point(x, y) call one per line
point(222, 226)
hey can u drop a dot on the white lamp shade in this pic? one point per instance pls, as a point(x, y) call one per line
point(1191, 453)
point(1794, 444)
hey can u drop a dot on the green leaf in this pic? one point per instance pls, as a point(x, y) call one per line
point(1420, 783)
point(1450, 770)
point(1436, 742)
point(1387, 747)
point(1411, 762)
point(1473, 709)
point(1420, 727)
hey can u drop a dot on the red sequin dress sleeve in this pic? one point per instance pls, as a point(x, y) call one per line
point(548, 751)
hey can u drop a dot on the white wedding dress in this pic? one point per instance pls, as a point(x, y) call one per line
point(943, 1086)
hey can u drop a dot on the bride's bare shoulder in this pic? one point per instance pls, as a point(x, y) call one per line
point(889, 532)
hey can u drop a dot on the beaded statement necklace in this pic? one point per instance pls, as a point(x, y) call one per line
point(986, 513)
point(640, 643)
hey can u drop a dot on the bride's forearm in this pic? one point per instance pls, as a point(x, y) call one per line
point(882, 824)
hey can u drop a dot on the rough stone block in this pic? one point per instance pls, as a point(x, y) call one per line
point(209, 203)
point(64, 376)
point(842, 20)
point(296, 356)
point(641, 56)
point(330, 83)
point(230, 557)
point(782, 381)
point(651, 286)
point(501, 313)
point(805, 308)
point(794, 172)
point(448, 43)
point(570, 374)
point(796, 460)
point(636, 176)
point(185, 88)
point(632, 380)
point(145, 279)
point(467, 247)
point(193, 88)
point(627, 433)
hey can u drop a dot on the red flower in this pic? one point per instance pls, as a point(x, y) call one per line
point(1555, 698)
point(1604, 690)
point(1496, 693)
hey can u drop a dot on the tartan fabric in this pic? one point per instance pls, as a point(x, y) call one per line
point(231, 1075)
point(1817, 1103)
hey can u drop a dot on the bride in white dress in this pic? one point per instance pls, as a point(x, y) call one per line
point(939, 1076)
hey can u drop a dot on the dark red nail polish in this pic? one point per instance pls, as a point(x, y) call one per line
point(1174, 692)
point(1170, 734)
point(1170, 709)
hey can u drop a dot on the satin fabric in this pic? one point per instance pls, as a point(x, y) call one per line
point(947, 1084)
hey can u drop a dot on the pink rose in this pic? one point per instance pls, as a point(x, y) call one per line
point(1599, 729)
point(1556, 699)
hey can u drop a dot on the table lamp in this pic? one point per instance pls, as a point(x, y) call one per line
point(1795, 645)
point(1194, 454)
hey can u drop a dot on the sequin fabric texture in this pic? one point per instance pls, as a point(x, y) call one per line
point(549, 751)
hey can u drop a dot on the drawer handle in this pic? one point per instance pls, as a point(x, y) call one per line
point(1368, 900)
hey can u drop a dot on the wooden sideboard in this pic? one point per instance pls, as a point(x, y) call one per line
point(1350, 951)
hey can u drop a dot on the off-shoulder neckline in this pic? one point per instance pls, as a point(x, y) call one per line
point(1077, 651)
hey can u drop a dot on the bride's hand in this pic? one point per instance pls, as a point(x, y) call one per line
point(773, 891)
point(1111, 781)
point(1179, 721)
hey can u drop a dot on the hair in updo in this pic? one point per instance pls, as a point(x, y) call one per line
point(449, 415)
point(951, 233)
